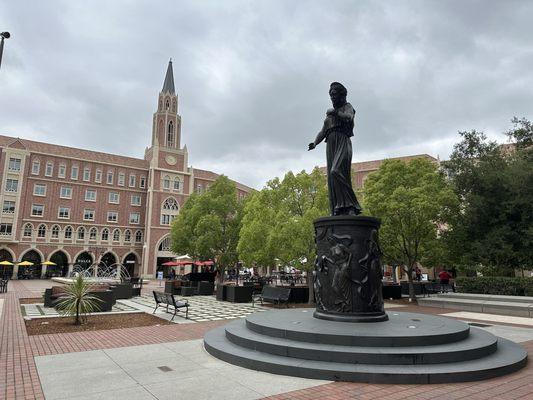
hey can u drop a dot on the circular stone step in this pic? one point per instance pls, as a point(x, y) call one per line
point(401, 330)
point(479, 344)
point(508, 358)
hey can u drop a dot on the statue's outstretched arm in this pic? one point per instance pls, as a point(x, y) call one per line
point(319, 138)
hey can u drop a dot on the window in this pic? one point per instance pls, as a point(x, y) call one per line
point(6, 229)
point(121, 178)
point(199, 189)
point(81, 233)
point(114, 197)
point(127, 235)
point(63, 213)
point(170, 134)
point(90, 195)
point(93, 233)
point(8, 207)
point(166, 182)
point(88, 215)
point(39, 189)
point(49, 171)
point(98, 176)
point(41, 231)
point(169, 210)
point(116, 235)
point(37, 210)
point(109, 177)
point(135, 199)
point(142, 182)
point(68, 232)
point(28, 228)
point(12, 185)
point(74, 172)
point(135, 218)
point(62, 171)
point(112, 216)
point(165, 244)
point(65, 192)
point(35, 167)
point(132, 181)
point(86, 174)
point(166, 219)
point(55, 232)
point(14, 164)
point(177, 184)
point(105, 235)
point(138, 237)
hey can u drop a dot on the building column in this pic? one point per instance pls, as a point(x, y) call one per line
point(119, 269)
point(43, 271)
point(70, 269)
point(15, 272)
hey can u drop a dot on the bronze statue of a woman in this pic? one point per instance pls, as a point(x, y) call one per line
point(337, 130)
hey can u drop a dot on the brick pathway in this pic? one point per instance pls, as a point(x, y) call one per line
point(19, 378)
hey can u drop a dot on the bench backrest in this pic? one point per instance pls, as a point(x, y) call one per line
point(167, 298)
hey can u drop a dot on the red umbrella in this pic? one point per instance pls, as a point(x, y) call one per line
point(170, 264)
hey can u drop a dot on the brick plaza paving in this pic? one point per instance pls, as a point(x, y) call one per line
point(20, 375)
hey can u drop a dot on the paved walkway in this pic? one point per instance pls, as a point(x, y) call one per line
point(19, 377)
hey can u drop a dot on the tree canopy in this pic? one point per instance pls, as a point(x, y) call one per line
point(277, 227)
point(493, 231)
point(413, 201)
point(208, 225)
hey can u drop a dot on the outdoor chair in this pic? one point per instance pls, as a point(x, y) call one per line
point(3, 285)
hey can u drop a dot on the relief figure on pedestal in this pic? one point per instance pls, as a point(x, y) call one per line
point(370, 290)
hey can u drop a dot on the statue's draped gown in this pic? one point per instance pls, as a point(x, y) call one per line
point(338, 131)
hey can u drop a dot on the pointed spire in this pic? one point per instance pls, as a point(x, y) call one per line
point(168, 85)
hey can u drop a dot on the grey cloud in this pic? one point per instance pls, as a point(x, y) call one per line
point(252, 76)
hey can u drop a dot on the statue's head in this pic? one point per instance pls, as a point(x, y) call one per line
point(337, 93)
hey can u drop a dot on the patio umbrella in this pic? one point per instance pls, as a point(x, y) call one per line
point(25, 264)
point(48, 263)
point(4, 263)
point(170, 264)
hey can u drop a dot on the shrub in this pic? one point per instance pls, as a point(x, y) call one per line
point(78, 301)
point(495, 285)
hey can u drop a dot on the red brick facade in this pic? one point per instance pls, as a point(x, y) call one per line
point(62, 199)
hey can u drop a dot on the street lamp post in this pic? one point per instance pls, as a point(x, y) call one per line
point(3, 35)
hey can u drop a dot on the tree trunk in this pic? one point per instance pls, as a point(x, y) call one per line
point(412, 295)
point(77, 321)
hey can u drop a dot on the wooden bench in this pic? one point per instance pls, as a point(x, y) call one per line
point(165, 299)
point(275, 295)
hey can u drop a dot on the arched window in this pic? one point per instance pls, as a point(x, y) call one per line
point(170, 134)
point(166, 182)
point(55, 232)
point(174, 105)
point(93, 233)
point(177, 184)
point(41, 231)
point(127, 235)
point(165, 244)
point(28, 228)
point(167, 104)
point(116, 235)
point(81, 233)
point(169, 210)
point(68, 232)
point(138, 237)
point(105, 235)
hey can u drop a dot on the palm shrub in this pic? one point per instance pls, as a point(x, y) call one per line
point(78, 300)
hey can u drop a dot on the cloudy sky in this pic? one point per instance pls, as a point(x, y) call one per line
point(253, 76)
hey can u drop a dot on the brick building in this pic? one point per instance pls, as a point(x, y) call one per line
point(74, 206)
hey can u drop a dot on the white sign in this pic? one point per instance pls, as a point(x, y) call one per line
point(160, 275)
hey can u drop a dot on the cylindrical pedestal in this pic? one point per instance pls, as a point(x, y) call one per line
point(348, 272)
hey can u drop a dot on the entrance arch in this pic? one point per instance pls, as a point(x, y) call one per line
point(131, 263)
point(6, 271)
point(61, 267)
point(32, 271)
point(107, 260)
point(84, 260)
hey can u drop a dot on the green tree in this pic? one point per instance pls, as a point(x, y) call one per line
point(77, 301)
point(414, 202)
point(278, 222)
point(208, 225)
point(492, 232)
